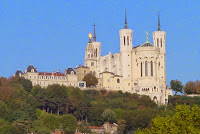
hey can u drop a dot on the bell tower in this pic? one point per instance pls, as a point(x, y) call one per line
point(126, 46)
point(159, 38)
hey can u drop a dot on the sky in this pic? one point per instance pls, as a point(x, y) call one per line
point(53, 34)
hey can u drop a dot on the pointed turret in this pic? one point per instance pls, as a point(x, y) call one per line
point(158, 21)
point(94, 36)
point(125, 25)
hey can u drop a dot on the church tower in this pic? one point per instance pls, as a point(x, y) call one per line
point(125, 53)
point(159, 38)
point(93, 54)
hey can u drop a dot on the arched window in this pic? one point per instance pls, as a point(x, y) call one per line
point(124, 40)
point(146, 68)
point(151, 68)
point(96, 52)
point(157, 42)
point(127, 40)
point(91, 55)
point(161, 42)
point(118, 80)
point(141, 69)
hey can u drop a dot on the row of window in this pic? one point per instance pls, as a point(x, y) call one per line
point(118, 80)
point(50, 77)
point(147, 89)
point(46, 84)
point(95, 54)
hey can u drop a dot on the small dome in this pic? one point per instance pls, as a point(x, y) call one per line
point(147, 44)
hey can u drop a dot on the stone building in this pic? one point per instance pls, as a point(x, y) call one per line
point(68, 78)
point(136, 69)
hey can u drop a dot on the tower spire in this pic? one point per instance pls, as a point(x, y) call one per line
point(158, 21)
point(125, 25)
point(94, 36)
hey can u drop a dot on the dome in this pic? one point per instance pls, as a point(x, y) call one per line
point(147, 44)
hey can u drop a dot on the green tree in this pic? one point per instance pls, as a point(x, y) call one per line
point(69, 123)
point(90, 79)
point(121, 126)
point(109, 116)
point(94, 115)
point(176, 85)
point(27, 84)
point(58, 97)
point(185, 120)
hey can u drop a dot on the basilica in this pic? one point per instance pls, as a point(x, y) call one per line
point(135, 69)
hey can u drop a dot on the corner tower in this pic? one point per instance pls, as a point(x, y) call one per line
point(93, 54)
point(125, 53)
point(159, 38)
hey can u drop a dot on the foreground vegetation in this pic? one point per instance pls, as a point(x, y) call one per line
point(24, 109)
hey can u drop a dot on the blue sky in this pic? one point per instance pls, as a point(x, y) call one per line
point(53, 35)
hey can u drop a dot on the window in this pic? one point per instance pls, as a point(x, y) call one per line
point(146, 68)
point(129, 84)
point(118, 80)
point(161, 42)
point(96, 52)
point(124, 40)
point(127, 40)
point(157, 42)
point(84, 72)
point(91, 55)
point(108, 80)
point(141, 69)
point(34, 77)
point(151, 68)
point(92, 63)
point(88, 55)
point(30, 77)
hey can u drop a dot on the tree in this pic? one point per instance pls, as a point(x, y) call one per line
point(192, 87)
point(109, 116)
point(90, 79)
point(185, 120)
point(69, 123)
point(176, 85)
point(121, 126)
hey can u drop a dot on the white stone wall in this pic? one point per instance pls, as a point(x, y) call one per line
point(142, 70)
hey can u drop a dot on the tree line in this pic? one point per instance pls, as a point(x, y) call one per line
point(24, 108)
point(191, 87)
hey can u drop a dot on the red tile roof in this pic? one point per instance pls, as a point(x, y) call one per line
point(95, 127)
point(50, 74)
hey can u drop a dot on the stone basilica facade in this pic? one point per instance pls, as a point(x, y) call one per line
point(136, 69)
